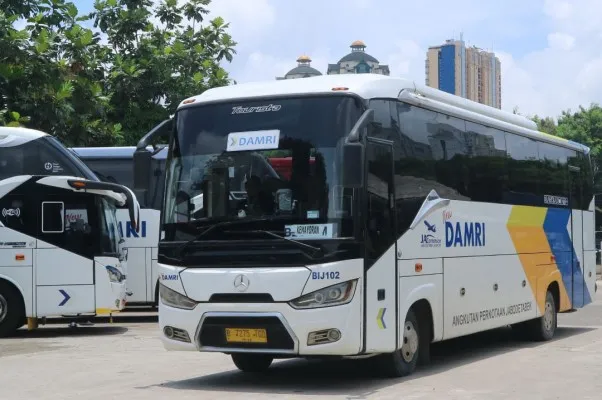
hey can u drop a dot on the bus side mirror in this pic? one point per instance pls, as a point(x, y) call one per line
point(142, 169)
point(353, 165)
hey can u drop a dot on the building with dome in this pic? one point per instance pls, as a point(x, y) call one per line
point(358, 62)
point(302, 70)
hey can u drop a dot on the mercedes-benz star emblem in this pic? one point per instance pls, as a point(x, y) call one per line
point(241, 283)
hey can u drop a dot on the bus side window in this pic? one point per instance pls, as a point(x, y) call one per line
point(53, 217)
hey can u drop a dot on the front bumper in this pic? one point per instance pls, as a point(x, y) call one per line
point(116, 300)
point(288, 329)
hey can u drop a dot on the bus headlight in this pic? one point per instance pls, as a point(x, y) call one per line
point(335, 295)
point(114, 274)
point(174, 299)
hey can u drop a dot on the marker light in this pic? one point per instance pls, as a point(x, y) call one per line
point(339, 88)
point(188, 101)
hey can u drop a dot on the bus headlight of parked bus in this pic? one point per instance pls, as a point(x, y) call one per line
point(174, 299)
point(114, 274)
point(335, 295)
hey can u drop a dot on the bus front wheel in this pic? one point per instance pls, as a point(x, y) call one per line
point(12, 313)
point(252, 362)
point(403, 362)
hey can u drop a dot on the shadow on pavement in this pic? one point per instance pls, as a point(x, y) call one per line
point(66, 331)
point(358, 379)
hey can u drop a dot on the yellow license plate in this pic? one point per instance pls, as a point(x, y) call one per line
point(239, 335)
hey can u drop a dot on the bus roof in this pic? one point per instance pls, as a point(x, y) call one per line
point(370, 86)
point(18, 135)
point(124, 152)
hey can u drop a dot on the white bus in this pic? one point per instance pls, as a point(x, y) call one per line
point(424, 217)
point(115, 164)
point(60, 251)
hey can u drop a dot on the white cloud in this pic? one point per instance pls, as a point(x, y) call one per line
point(246, 17)
point(549, 49)
point(558, 9)
point(561, 41)
point(262, 66)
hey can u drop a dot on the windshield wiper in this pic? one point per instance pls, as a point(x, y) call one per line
point(183, 246)
point(315, 251)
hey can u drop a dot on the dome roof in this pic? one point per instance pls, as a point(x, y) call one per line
point(358, 54)
point(303, 70)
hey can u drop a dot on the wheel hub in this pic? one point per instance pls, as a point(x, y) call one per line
point(410, 342)
point(3, 308)
point(548, 317)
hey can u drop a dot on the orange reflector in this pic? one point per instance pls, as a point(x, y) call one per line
point(340, 88)
point(188, 101)
point(79, 184)
point(418, 267)
point(19, 257)
point(553, 258)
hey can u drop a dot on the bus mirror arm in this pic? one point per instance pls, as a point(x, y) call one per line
point(432, 203)
point(142, 158)
point(145, 140)
point(362, 122)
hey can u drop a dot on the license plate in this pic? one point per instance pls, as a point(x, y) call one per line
point(239, 335)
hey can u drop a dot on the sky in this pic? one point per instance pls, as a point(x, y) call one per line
point(550, 50)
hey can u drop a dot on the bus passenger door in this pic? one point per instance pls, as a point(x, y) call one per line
point(577, 281)
point(64, 265)
point(380, 264)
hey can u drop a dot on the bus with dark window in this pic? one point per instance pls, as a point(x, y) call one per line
point(424, 217)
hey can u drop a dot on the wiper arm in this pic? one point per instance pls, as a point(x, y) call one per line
point(183, 246)
point(314, 249)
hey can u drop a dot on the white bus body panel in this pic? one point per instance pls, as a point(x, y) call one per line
point(141, 281)
point(474, 279)
point(56, 282)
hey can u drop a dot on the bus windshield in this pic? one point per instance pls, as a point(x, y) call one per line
point(42, 156)
point(109, 234)
point(275, 160)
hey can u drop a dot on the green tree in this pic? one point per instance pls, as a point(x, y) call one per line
point(107, 77)
point(547, 124)
point(161, 56)
point(49, 72)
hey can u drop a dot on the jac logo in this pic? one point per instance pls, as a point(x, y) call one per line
point(130, 232)
point(169, 277)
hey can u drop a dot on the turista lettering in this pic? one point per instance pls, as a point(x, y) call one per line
point(248, 110)
point(467, 234)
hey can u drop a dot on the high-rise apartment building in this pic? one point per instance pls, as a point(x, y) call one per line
point(468, 72)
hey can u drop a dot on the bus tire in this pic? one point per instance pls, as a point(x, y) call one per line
point(403, 362)
point(544, 327)
point(254, 363)
point(12, 310)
